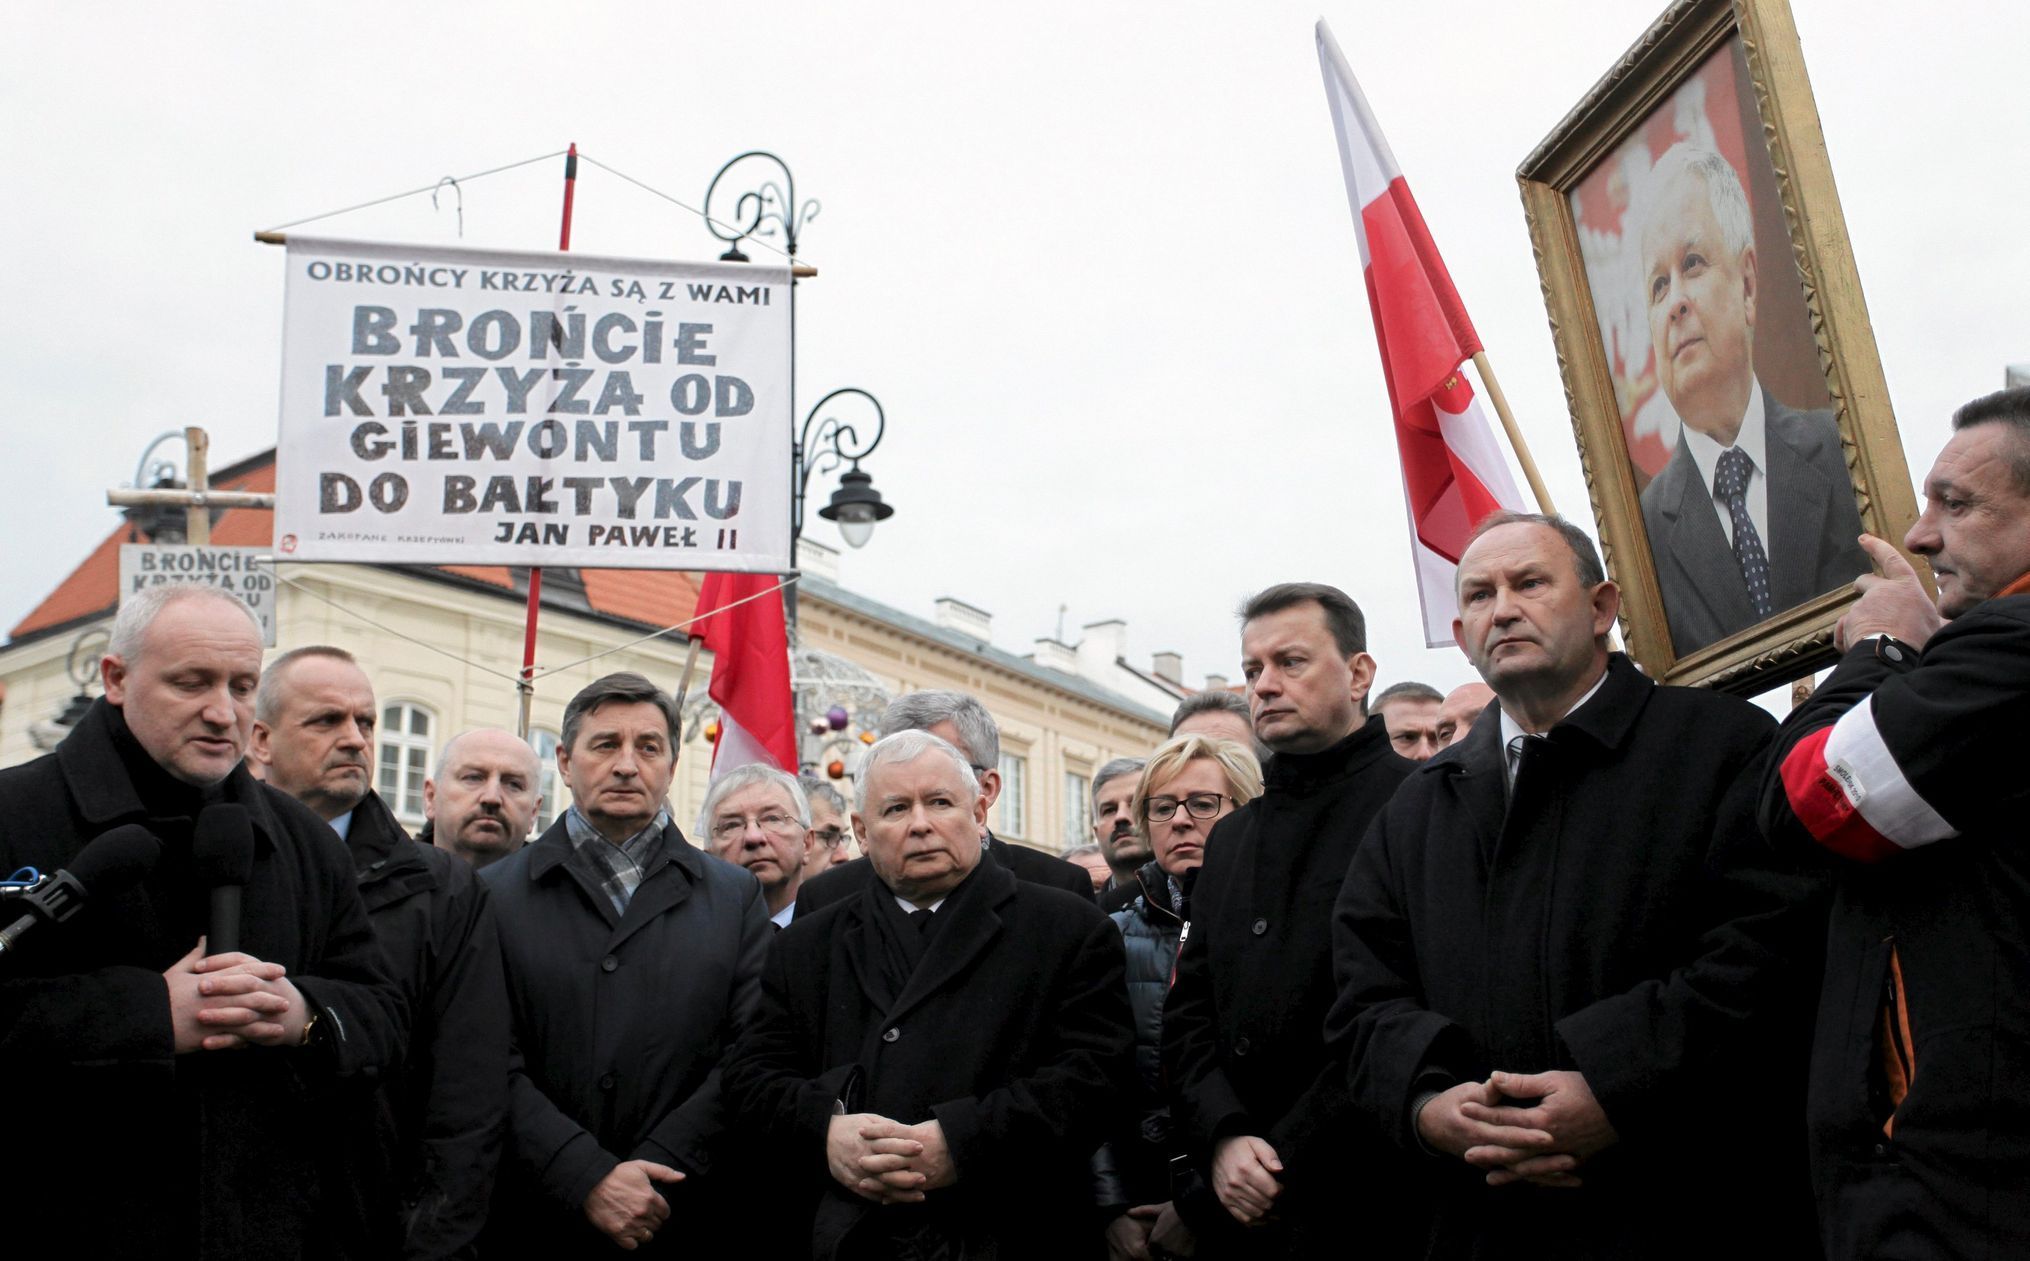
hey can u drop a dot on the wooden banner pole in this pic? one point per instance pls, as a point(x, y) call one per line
point(1515, 438)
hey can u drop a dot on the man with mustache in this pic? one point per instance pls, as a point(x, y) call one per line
point(1114, 831)
point(1755, 511)
point(1574, 981)
point(484, 796)
point(442, 1113)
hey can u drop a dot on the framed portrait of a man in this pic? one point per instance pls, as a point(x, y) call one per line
point(1715, 348)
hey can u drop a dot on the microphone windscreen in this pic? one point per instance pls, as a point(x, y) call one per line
point(223, 847)
point(116, 859)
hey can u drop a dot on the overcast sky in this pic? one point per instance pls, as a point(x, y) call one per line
point(1095, 259)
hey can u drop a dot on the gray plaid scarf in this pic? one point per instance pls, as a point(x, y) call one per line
point(616, 869)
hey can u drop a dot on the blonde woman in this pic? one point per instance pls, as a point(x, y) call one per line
point(1189, 784)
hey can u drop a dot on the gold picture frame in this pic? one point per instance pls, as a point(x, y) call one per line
point(1724, 77)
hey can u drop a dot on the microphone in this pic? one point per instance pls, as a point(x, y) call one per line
point(112, 861)
point(223, 850)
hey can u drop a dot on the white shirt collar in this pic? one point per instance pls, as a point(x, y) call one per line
point(781, 918)
point(1752, 440)
point(343, 825)
point(908, 906)
point(1510, 728)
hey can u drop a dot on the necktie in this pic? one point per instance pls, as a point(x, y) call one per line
point(1730, 483)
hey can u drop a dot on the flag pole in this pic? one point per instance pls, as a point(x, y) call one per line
point(526, 685)
point(1515, 438)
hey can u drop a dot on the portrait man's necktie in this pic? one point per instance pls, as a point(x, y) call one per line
point(1730, 483)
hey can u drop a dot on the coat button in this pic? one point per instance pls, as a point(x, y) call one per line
point(891, 1035)
point(1881, 1149)
point(608, 964)
point(1261, 926)
point(606, 1082)
point(1242, 1046)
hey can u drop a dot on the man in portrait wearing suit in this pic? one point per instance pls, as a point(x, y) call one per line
point(1755, 511)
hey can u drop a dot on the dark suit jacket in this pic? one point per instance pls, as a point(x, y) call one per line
point(847, 879)
point(1013, 1033)
point(446, 1107)
point(620, 1022)
point(1813, 530)
point(1620, 915)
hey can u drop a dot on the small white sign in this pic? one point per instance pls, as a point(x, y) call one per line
point(239, 571)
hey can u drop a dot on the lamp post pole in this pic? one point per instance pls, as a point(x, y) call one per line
point(855, 505)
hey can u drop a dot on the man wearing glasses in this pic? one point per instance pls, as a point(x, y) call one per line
point(831, 840)
point(759, 818)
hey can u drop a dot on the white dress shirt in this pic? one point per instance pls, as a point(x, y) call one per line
point(1753, 440)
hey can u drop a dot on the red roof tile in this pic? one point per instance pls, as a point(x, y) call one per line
point(654, 597)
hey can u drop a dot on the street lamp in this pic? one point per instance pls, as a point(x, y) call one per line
point(856, 507)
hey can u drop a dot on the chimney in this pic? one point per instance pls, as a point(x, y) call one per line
point(957, 615)
point(1101, 648)
point(1055, 656)
point(817, 560)
point(1169, 667)
point(1215, 683)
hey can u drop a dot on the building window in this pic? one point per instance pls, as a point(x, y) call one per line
point(1078, 805)
point(405, 751)
point(547, 783)
point(1014, 820)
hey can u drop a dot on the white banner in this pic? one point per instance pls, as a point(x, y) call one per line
point(450, 406)
point(238, 571)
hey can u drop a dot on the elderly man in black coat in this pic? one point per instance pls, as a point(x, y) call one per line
point(162, 1103)
point(1287, 1168)
point(948, 1046)
point(632, 961)
point(1573, 974)
point(964, 723)
point(442, 1114)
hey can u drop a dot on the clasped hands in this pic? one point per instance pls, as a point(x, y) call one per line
point(232, 1000)
point(1544, 1143)
point(886, 1161)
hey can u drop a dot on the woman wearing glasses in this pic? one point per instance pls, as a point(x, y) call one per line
point(1189, 784)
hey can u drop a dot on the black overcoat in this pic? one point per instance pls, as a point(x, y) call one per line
point(1013, 1033)
point(619, 1022)
point(1952, 1179)
point(112, 1135)
point(1243, 1029)
point(1623, 918)
point(445, 1110)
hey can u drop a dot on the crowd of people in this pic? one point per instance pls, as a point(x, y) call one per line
point(1562, 964)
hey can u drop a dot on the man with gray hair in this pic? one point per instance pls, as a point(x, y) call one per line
point(117, 1028)
point(964, 723)
point(1120, 842)
point(948, 1045)
point(759, 818)
point(1219, 713)
point(1755, 511)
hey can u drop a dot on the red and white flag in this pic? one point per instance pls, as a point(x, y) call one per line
point(1453, 472)
point(750, 671)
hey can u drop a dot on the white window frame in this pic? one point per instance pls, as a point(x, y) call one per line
point(1078, 809)
point(1011, 811)
point(548, 782)
point(413, 760)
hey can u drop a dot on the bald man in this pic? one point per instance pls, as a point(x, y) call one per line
point(484, 797)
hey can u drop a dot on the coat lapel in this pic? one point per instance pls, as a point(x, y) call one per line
point(1480, 781)
point(960, 942)
point(857, 933)
point(1797, 515)
point(1695, 544)
point(666, 885)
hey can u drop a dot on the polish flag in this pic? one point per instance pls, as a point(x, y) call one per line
point(750, 671)
point(1453, 471)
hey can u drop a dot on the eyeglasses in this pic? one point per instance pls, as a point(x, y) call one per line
point(1197, 805)
point(774, 821)
point(829, 837)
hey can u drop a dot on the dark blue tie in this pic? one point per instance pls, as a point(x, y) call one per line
point(1730, 483)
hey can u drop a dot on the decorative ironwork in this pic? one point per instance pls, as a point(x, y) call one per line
point(760, 212)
